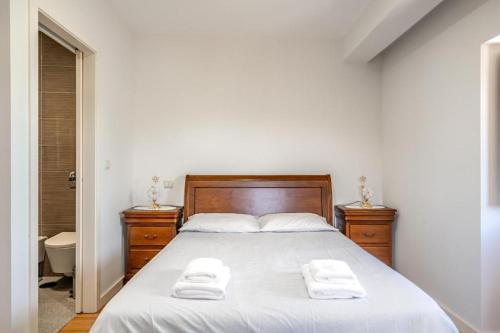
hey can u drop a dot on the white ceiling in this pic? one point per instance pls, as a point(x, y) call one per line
point(314, 18)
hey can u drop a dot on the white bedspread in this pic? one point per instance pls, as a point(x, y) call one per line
point(267, 292)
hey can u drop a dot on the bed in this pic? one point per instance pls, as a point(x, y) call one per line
point(267, 292)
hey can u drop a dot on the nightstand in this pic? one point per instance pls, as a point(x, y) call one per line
point(369, 228)
point(148, 231)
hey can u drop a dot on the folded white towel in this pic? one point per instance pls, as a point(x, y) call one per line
point(320, 290)
point(203, 270)
point(196, 290)
point(331, 271)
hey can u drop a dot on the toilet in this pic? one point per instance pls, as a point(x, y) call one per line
point(61, 252)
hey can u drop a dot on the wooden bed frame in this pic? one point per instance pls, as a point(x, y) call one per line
point(258, 195)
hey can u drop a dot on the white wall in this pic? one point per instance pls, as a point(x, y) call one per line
point(431, 135)
point(267, 106)
point(5, 139)
point(20, 167)
point(97, 25)
point(490, 187)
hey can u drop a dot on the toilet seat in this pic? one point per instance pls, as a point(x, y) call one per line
point(62, 240)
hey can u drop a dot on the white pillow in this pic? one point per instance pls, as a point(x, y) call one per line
point(287, 222)
point(221, 222)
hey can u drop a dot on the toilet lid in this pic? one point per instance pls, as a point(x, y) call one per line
point(63, 239)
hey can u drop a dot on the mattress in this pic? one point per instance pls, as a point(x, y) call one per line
point(267, 292)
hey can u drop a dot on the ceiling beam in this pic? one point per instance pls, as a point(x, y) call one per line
point(381, 23)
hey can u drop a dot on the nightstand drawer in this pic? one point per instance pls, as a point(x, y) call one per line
point(371, 233)
point(151, 235)
point(383, 253)
point(148, 231)
point(139, 258)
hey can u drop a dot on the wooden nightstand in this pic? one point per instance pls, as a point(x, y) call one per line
point(369, 228)
point(148, 231)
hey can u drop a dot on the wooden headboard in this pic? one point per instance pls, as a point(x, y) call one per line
point(258, 195)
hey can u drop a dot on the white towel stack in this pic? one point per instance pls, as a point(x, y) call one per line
point(328, 279)
point(203, 278)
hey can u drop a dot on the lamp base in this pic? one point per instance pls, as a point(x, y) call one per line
point(366, 204)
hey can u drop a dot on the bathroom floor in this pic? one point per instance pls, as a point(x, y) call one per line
point(55, 306)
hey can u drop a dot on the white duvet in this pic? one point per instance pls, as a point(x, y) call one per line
point(267, 293)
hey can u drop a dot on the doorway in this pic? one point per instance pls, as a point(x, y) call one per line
point(62, 153)
point(57, 205)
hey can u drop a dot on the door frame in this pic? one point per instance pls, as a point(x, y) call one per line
point(86, 272)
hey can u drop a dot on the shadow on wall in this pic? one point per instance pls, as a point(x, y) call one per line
point(449, 13)
point(494, 170)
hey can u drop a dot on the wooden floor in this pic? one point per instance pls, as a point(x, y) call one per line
point(81, 323)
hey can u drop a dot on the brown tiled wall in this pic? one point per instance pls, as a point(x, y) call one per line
point(57, 134)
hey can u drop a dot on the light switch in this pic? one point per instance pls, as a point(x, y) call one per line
point(107, 164)
point(168, 184)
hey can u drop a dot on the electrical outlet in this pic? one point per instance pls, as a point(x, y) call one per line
point(168, 184)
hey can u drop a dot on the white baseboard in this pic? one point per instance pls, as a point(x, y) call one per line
point(110, 292)
point(462, 325)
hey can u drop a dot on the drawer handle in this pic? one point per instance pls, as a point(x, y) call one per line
point(147, 259)
point(368, 234)
point(148, 236)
